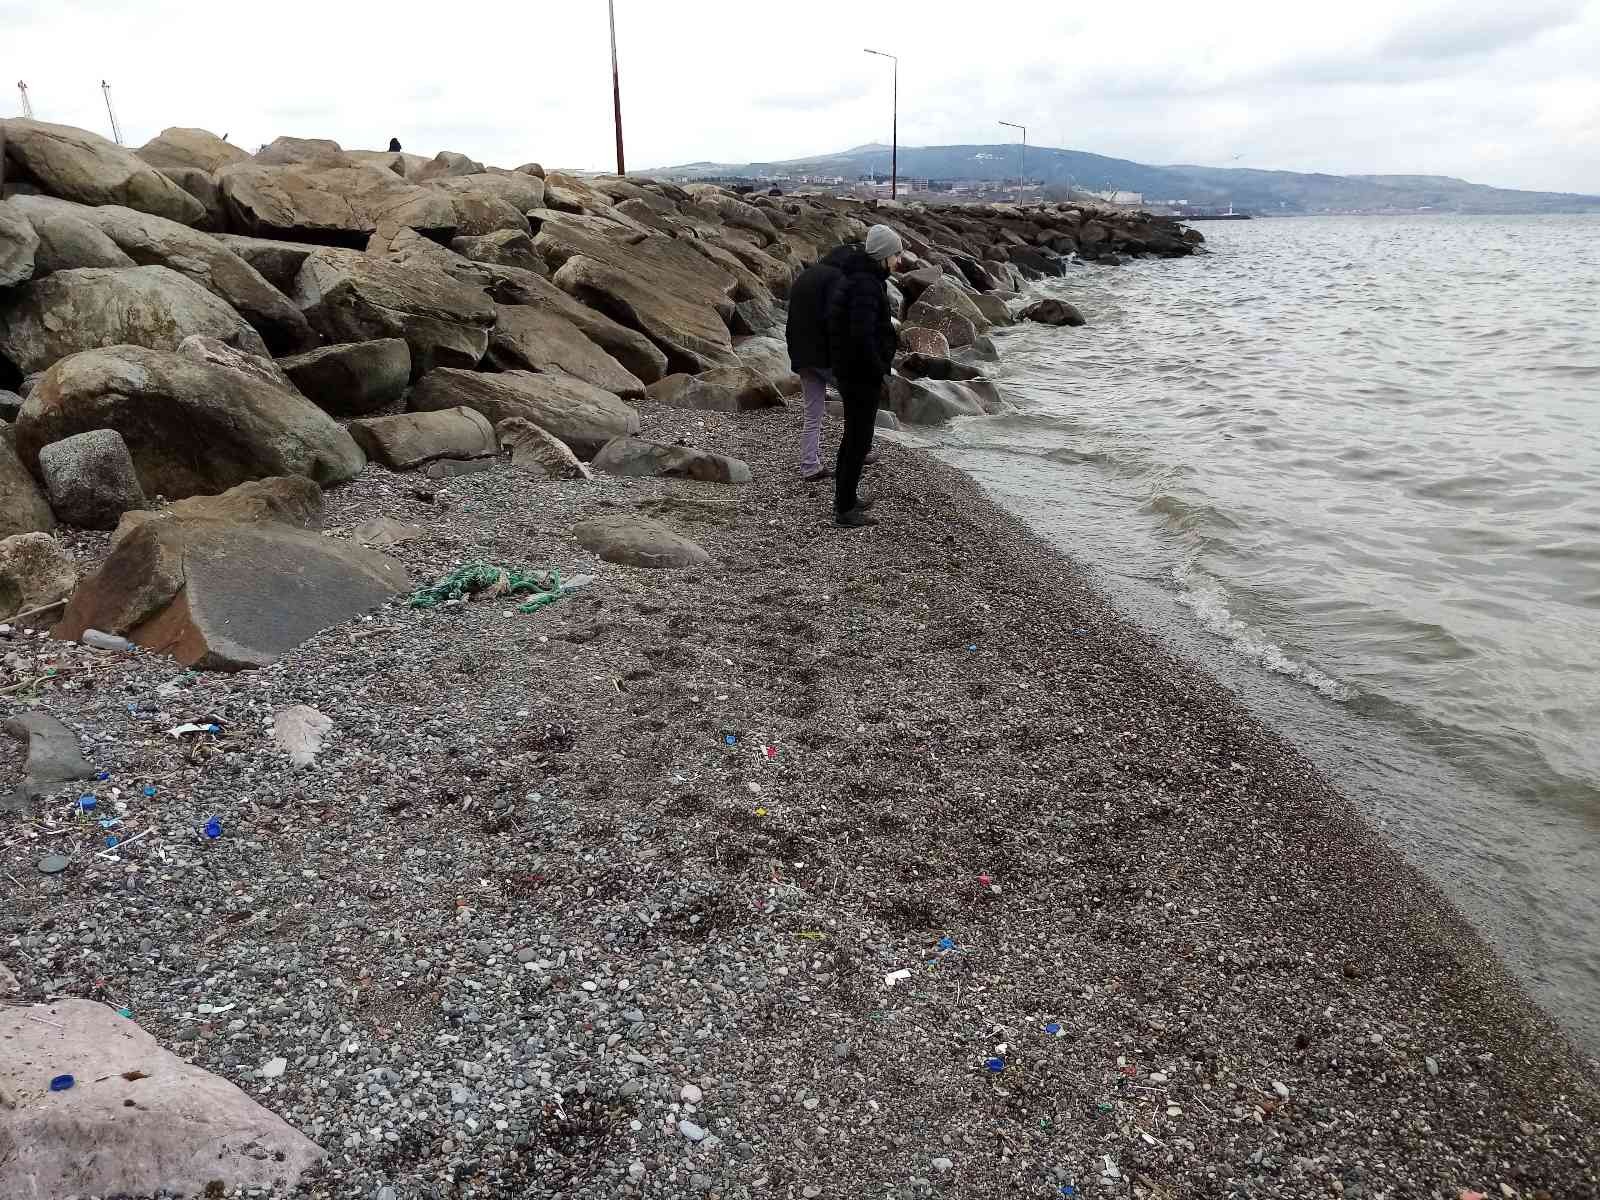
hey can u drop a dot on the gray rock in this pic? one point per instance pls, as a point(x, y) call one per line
point(323, 199)
point(638, 458)
point(691, 1131)
point(411, 439)
point(943, 1164)
point(638, 541)
point(66, 240)
point(530, 338)
point(19, 245)
point(450, 468)
point(354, 379)
point(1051, 311)
point(581, 415)
point(75, 164)
point(724, 389)
point(958, 330)
point(154, 307)
point(90, 479)
point(53, 754)
point(193, 426)
point(23, 508)
point(535, 449)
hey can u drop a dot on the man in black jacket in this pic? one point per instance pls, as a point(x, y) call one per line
point(861, 346)
point(807, 334)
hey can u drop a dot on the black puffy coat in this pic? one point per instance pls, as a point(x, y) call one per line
point(861, 336)
point(807, 327)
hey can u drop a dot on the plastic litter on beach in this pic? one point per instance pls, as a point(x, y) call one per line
point(947, 943)
point(87, 803)
point(995, 1065)
point(212, 828)
point(894, 977)
point(178, 731)
point(485, 581)
point(1053, 1028)
point(61, 1083)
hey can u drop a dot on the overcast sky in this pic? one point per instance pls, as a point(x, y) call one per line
point(1505, 92)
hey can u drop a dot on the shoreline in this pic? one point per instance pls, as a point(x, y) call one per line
point(960, 762)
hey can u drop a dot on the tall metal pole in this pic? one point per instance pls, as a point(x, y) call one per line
point(116, 130)
point(616, 86)
point(1021, 151)
point(894, 151)
point(27, 108)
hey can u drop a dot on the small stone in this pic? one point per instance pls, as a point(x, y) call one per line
point(811, 1192)
point(943, 1164)
point(386, 1192)
point(53, 864)
point(690, 1094)
point(691, 1131)
point(1433, 1065)
point(700, 1183)
point(1174, 1111)
point(636, 1171)
point(1281, 1088)
point(811, 1104)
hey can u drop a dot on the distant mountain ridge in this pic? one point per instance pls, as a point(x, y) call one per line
point(1244, 187)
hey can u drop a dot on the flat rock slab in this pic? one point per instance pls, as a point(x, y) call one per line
point(724, 389)
point(411, 439)
point(299, 732)
point(172, 1127)
point(530, 338)
point(634, 540)
point(638, 458)
point(454, 468)
point(53, 754)
point(228, 597)
point(328, 200)
point(380, 533)
point(581, 415)
point(286, 499)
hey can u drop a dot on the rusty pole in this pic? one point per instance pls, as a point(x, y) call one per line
point(616, 86)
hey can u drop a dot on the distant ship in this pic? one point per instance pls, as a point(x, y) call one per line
point(1190, 214)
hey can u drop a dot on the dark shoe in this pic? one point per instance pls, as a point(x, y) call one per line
point(817, 476)
point(856, 518)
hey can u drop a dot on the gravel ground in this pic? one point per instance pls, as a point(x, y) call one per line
point(533, 925)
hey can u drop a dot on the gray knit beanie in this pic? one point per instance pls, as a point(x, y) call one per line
point(883, 243)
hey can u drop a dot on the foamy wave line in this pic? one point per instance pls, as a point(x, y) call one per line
point(1209, 603)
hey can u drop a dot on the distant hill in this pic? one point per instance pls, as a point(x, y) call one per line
point(1245, 187)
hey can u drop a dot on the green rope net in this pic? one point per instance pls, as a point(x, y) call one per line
point(467, 582)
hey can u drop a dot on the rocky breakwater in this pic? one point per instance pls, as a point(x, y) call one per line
point(195, 342)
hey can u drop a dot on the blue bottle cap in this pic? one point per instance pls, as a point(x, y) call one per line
point(996, 1065)
point(213, 828)
point(1052, 1029)
point(87, 803)
point(947, 943)
point(112, 839)
point(150, 789)
point(61, 1083)
point(102, 775)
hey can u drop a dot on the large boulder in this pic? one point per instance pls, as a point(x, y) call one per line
point(958, 331)
point(726, 389)
point(521, 192)
point(157, 242)
point(409, 440)
point(34, 571)
point(530, 338)
point(297, 151)
point(992, 307)
point(151, 307)
point(1051, 311)
point(139, 1121)
point(19, 245)
point(291, 500)
point(192, 426)
point(351, 297)
point(90, 479)
point(662, 287)
point(221, 596)
point(634, 540)
point(637, 353)
point(352, 379)
point(277, 261)
point(67, 240)
point(638, 458)
point(503, 248)
point(190, 148)
point(931, 366)
point(75, 164)
point(23, 508)
point(330, 203)
point(581, 415)
point(935, 401)
point(538, 451)
point(916, 340)
point(445, 164)
point(769, 358)
point(478, 214)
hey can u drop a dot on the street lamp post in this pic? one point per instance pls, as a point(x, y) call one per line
point(616, 86)
point(894, 151)
point(1022, 150)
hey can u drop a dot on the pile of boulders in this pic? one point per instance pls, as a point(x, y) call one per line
point(186, 318)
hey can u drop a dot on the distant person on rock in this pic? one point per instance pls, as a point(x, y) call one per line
point(861, 348)
point(394, 145)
